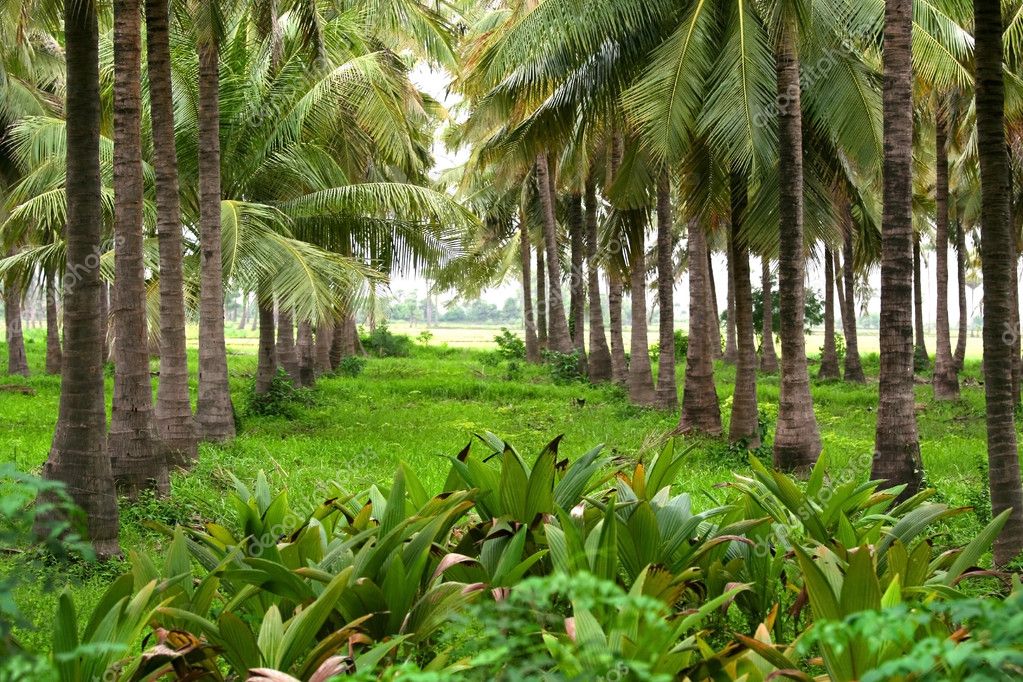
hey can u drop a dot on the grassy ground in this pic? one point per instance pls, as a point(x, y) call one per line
point(422, 409)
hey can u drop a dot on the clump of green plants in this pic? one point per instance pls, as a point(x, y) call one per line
point(681, 346)
point(351, 366)
point(383, 343)
point(282, 398)
point(425, 337)
point(510, 346)
point(565, 368)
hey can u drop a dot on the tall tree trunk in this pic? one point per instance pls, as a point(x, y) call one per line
point(897, 449)
point(836, 264)
point(266, 367)
point(53, 351)
point(244, 322)
point(174, 420)
point(532, 343)
point(744, 427)
point(853, 365)
point(78, 456)
point(797, 442)
point(541, 298)
point(829, 356)
point(104, 315)
point(945, 380)
point(558, 336)
point(324, 341)
point(306, 362)
point(600, 354)
point(1003, 454)
point(667, 385)
point(701, 412)
point(714, 329)
point(959, 358)
point(214, 412)
point(768, 353)
point(577, 284)
point(287, 353)
point(731, 351)
point(619, 365)
point(17, 359)
point(641, 380)
point(921, 360)
point(337, 345)
point(137, 456)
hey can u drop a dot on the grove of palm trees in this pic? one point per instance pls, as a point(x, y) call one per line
point(749, 411)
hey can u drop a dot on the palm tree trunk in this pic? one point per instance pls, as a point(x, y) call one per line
point(1003, 454)
point(17, 359)
point(667, 385)
point(836, 264)
point(137, 456)
point(641, 380)
point(959, 357)
point(324, 340)
point(921, 360)
point(945, 380)
point(829, 356)
point(541, 298)
point(619, 365)
point(897, 458)
point(306, 362)
point(214, 412)
point(715, 328)
point(78, 456)
point(853, 365)
point(576, 282)
point(244, 321)
point(701, 412)
point(600, 354)
point(104, 314)
point(558, 336)
point(744, 427)
point(337, 346)
point(173, 412)
point(731, 351)
point(287, 354)
point(53, 351)
point(532, 343)
point(266, 368)
point(768, 353)
point(797, 442)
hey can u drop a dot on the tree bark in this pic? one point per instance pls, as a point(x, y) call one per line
point(17, 359)
point(853, 365)
point(306, 361)
point(174, 420)
point(214, 413)
point(897, 450)
point(325, 331)
point(797, 442)
point(266, 368)
point(532, 343)
point(619, 365)
point(959, 358)
point(541, 298)
point(137, 455)
point(287, 353)
point(558, 336)
point(701, 412)
point(244, 321)
point(600, 354)
point(744, 427)
point(945, 380)
point(1003, 453)
point(921, 360)
point(576, 281)
point(53, 350)
point(717, 348)
point(768, 353)
point(829, 356)
point(667, 385)
point(78, 456)
point(731, 350)
point(641, 380)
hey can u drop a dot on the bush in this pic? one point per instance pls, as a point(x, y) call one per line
point(681, 347)
point(351, 366)
point(280, 400)
point(564, 367)
point(510, 346)
point(384, 344)
point(425, 337)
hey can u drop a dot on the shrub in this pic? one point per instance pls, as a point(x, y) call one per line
point(565, 367)
point(280, 400)
point(681, 347)
point(351, 366)
point(382, 343)
point(425, 337)
point(510, 346)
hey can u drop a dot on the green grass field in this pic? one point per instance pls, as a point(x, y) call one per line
point(421, 409)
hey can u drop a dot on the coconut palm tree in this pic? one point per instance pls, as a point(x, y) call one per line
point(997, 261)
point(945, 380)
point(744, 426)
point(78, 455)
point(667, 388)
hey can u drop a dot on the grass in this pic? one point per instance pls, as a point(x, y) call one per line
point(422, 409)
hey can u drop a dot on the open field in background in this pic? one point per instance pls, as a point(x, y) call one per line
point(422, 409)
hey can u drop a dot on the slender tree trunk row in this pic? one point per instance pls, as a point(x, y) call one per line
point(17, 359)
point(945, 380)
point(667, 387)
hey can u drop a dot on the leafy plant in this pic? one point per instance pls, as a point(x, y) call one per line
point(351, 366)
point(510, 346)
point(280, 400)
point(564, 367)
point(383, 343)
